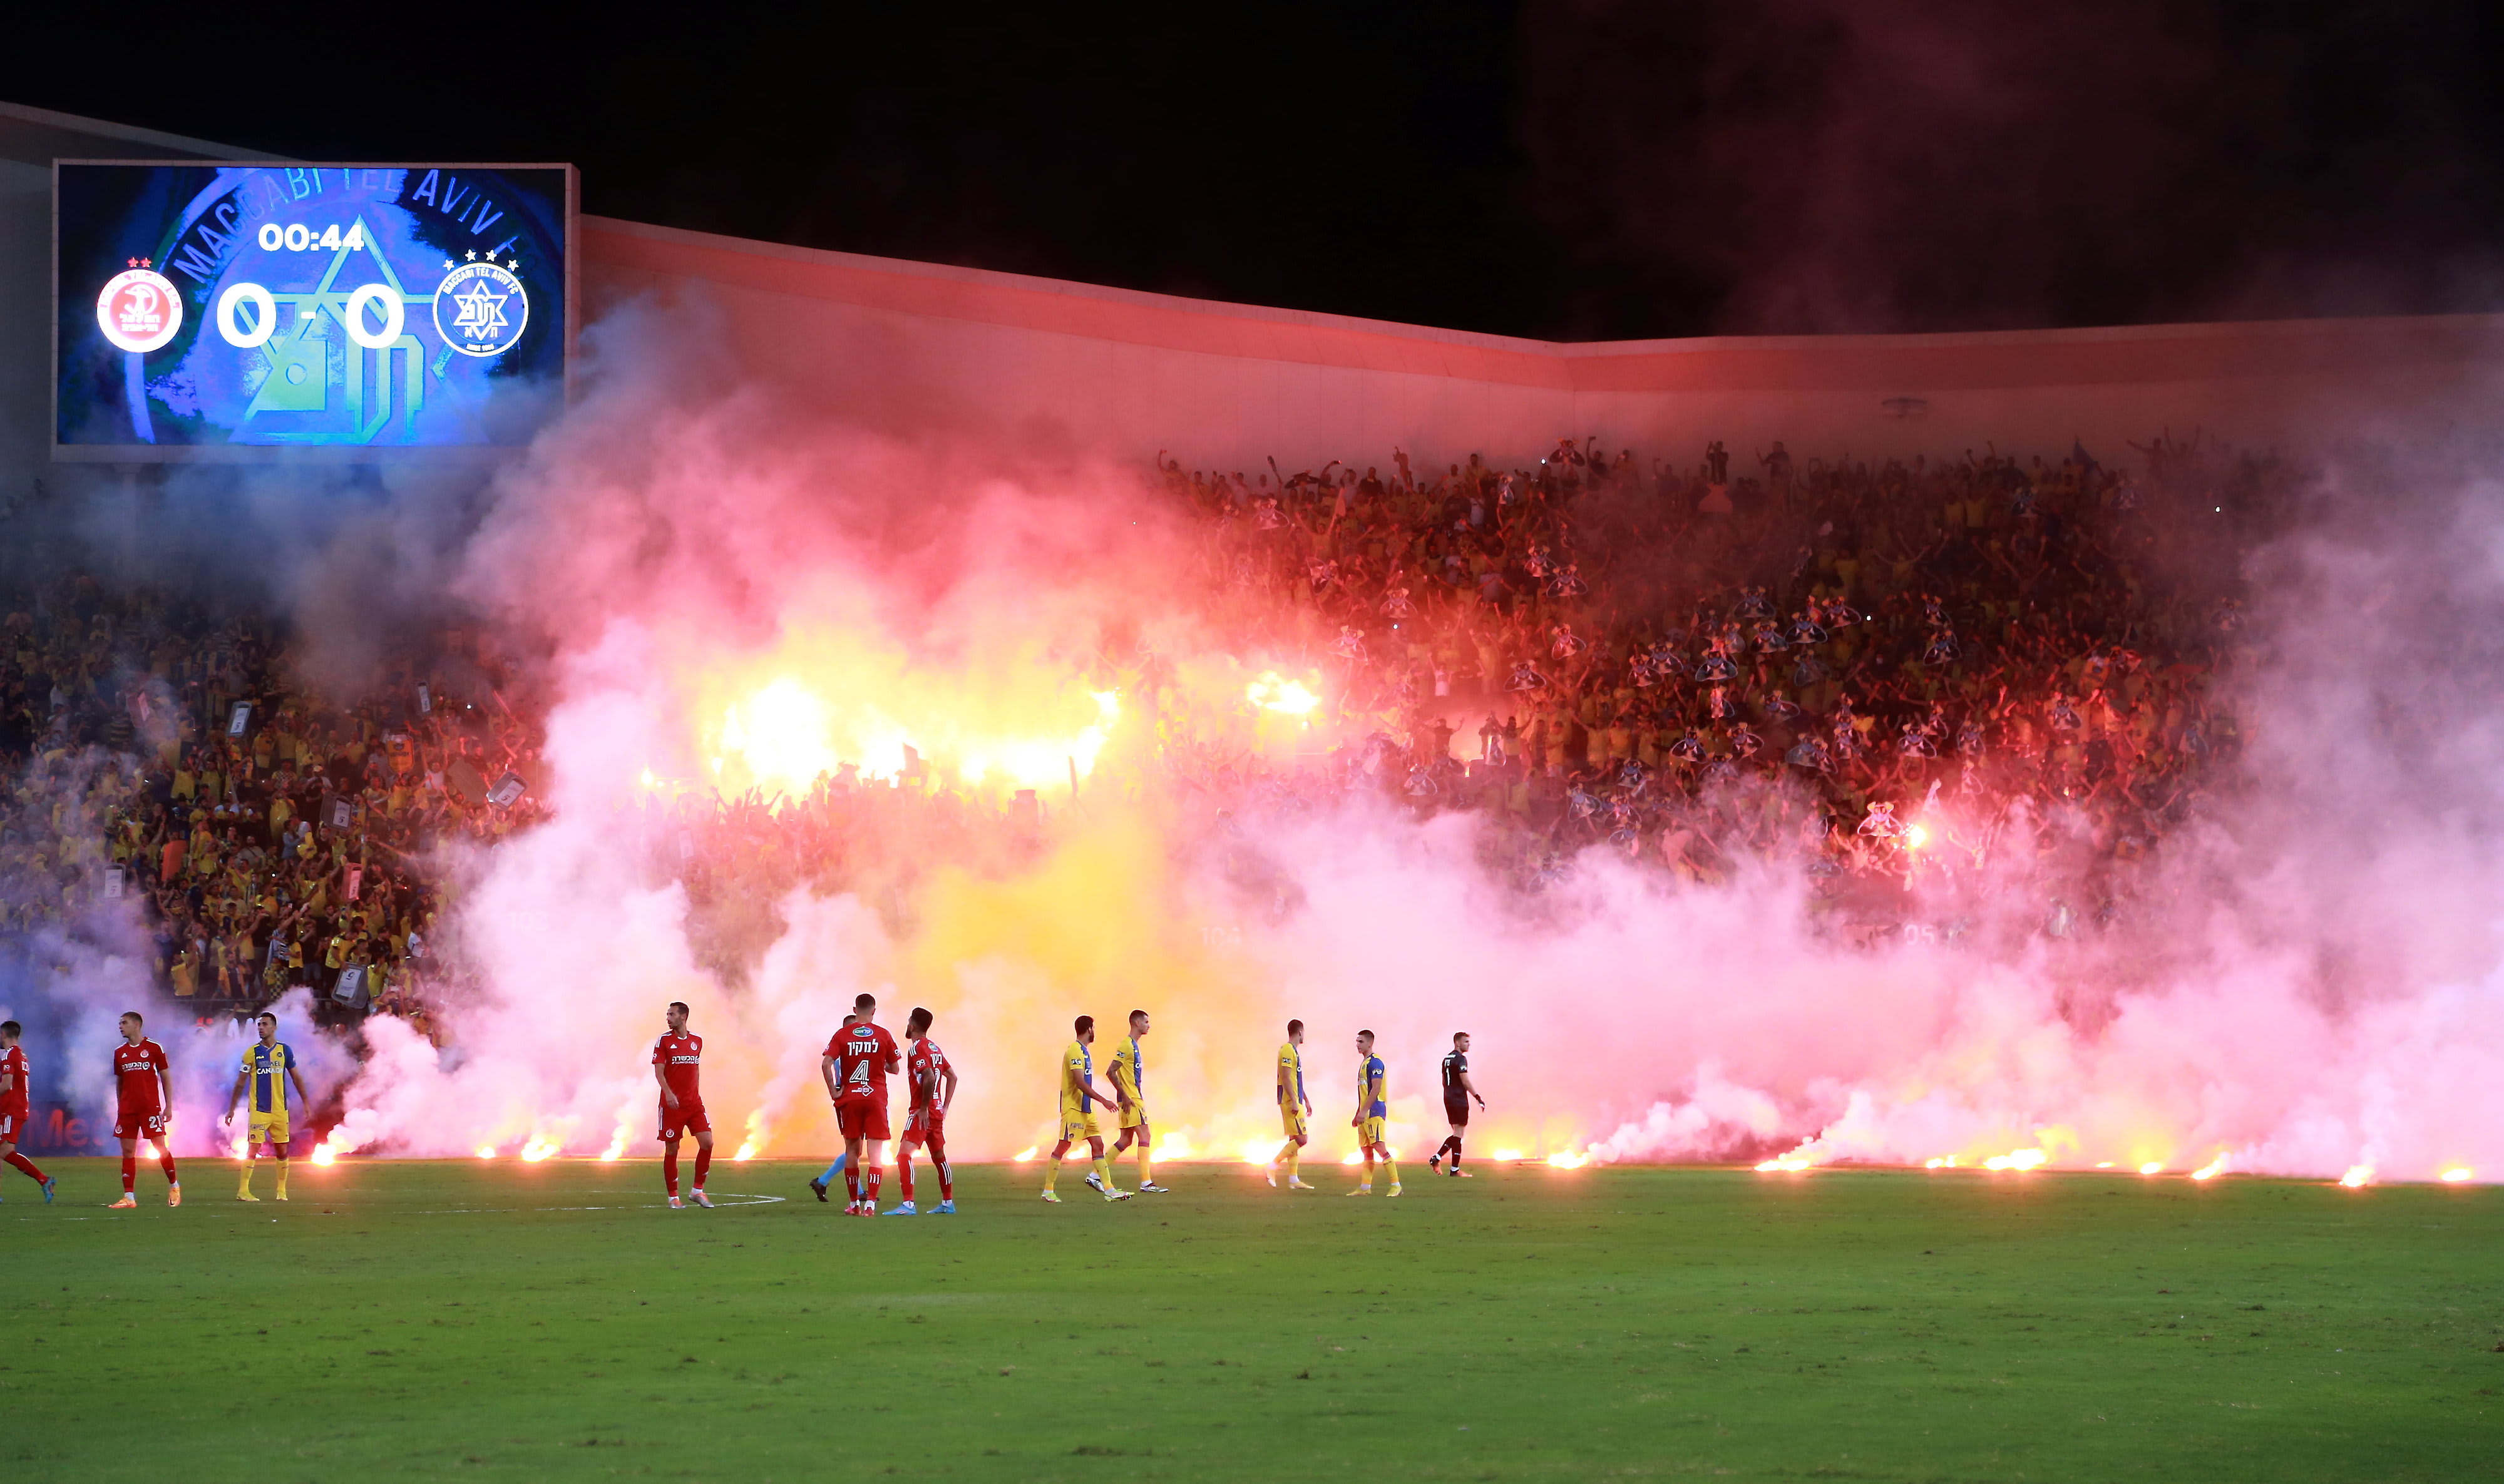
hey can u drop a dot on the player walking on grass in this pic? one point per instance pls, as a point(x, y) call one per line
point(1458, 1089)
point(13, 1109)
point(268, 1065)
point(1372, 1108)
point(1294, 1108)
point(677, 1059)
point(1078, 1097)
point(818, 1186)
point(930, 1085)
point(1130, 1081)
point(856, 1066)
point(142, 1107)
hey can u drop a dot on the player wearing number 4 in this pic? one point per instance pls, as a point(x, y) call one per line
point(1370, 1110)
point(268, 1066)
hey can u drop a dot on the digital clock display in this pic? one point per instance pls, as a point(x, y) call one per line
point(209, 310)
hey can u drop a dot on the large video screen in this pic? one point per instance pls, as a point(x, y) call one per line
point(221, 311)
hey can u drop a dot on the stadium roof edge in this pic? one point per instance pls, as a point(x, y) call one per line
point(37, 136)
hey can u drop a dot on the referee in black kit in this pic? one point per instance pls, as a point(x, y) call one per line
point(1457, 1092)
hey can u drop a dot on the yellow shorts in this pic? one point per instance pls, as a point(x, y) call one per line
point(266, 1128)
point(1078, 1125)
point(1292, 1117)
point(1135, 1116)
point(1370, 1133)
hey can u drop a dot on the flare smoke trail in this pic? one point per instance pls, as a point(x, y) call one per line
point(2309, 983)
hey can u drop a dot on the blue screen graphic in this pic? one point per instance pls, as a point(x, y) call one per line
point(205, 306)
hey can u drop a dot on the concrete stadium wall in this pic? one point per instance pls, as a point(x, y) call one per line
point(1060, 367)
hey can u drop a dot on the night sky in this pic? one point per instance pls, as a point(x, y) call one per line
point(1565, 170)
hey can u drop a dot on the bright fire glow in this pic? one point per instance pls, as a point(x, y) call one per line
point(616, 1144)
point(1026, 1156)
point(1354, 1156)
point(1171, 1146)
point(1258, 1151)
point(536, 1150)
point(1941, 1163)
point(1273, 693)
point(2016, 1160)
point(755, 1139)
point(324, 1154)
point(1918, 836)
point(486, 1150)
point(2151, 1168)
point(2455, 1175)
point(1568, 1159)
point(242, 1149)
point(2358, 1176)
point(2212, 1169)
point(1506, 1156)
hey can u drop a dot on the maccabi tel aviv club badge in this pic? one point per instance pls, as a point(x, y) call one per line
point(481, 308)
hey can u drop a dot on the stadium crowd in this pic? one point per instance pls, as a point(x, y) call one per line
point(1889, 675)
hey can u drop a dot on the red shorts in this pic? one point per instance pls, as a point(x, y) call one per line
point(688, 1117)
point(919, 1127)
point(862, 1117)
point(12, 1125)
point(139, 1124)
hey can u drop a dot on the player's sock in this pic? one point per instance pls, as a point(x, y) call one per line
point(1390, 1171)
point(832, 1170)
point(130, 1173)
point(703, 1162)
point(1295, 1162)
point(670, 1170)
point(1147, 1165)
point(851, 1185)
point(1105, 1175)
point(947, 1180)
point(876, 1173)
point(904, 1175)
point(21, 1163)
point(1456, 1151)
point(282, 1176)
point(1050, 1174)
point(243, 1187)
point(165, 1161)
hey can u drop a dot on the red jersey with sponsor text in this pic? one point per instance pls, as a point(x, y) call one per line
point(677, 1058)
point(863, 1056)
point(139, 1077)
point(12, 1063)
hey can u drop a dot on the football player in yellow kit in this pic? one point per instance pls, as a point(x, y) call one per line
point(1294, 1107)
point(1078, 1095)
point(1130, 1085)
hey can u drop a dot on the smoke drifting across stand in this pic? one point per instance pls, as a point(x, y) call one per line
point(2309, 984)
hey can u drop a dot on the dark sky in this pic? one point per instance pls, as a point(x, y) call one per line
point(1570, 170)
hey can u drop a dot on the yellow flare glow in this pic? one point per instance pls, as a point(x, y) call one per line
point(1941, 1163)
point(241, 1147)
point(2212, 1169)
point(1258, 1151)
point(2359, 1177)
point(324, 1154)
point(2104, 1164)
point(1353, 1157)
point(1171, 1146)
point(1026, 1156)
point(1918, 836)
point(2151, 1168)
point(2455, 1175)
point(1568, 1159)
point(2015, 1160)
point(1274, 693)
point(758, 1132)
point(536, 1150)
point(616, 1144)
point(1506, 1156)
point(486, 1150)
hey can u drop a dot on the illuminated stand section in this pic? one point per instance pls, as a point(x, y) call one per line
point(227, 310)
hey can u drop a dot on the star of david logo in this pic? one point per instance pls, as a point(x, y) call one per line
point(483, 314)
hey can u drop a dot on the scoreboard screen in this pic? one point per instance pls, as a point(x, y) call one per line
point(233, 311)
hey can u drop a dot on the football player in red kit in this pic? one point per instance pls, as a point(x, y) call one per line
point(931, 1083)
point(675, 1057)
point(15, 1103)
point(144, 1107)
point(857, 1065)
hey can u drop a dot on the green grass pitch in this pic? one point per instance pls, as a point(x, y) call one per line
point(463, 1319)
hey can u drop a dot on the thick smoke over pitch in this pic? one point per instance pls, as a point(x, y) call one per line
point(2309, 983)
